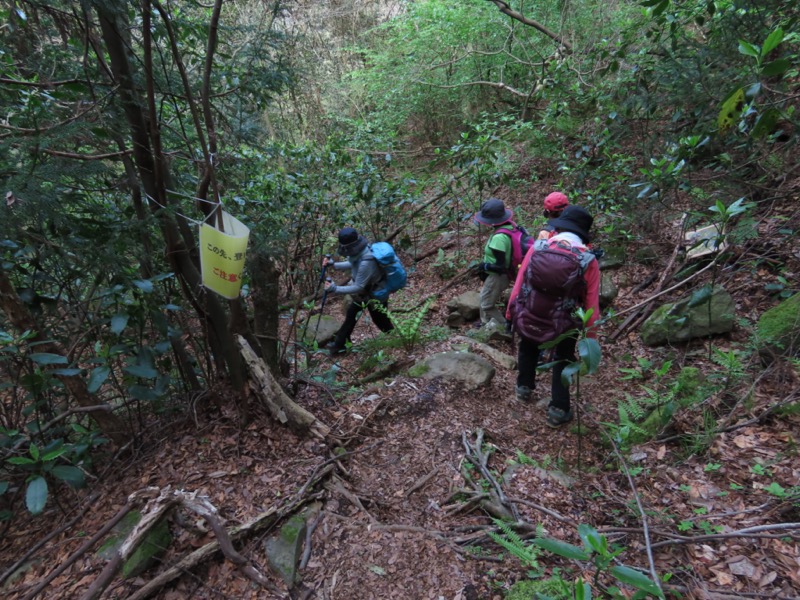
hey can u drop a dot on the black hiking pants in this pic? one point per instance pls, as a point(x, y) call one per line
point(528, 359)
point(379, 317)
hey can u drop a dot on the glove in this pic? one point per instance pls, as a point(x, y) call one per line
point(492, 268)
point(483, 275)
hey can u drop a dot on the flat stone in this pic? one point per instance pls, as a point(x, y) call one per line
point(471, 370)
point(322, 334)
point(689, 319)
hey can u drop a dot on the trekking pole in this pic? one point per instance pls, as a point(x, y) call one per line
point(321, 310)
point(320, 281)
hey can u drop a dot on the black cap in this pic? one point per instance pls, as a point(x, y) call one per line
point(350, 243)
point(574, 219)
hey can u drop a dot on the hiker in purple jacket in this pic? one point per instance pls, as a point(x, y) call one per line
point(366, 278)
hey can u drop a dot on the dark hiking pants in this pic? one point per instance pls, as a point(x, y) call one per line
point(528, 359)
point(379, 317)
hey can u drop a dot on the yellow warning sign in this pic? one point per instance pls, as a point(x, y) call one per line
point(222, 255)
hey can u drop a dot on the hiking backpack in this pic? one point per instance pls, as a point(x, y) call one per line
point(552, 288)
point(521, 241)
point(396, 277)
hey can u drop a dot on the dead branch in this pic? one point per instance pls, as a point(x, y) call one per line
point(76, 156)
point(501, 358)
point(157, 509)
point(429, 253)
point(133, 500)
point(281, 407)
point(757, 532)
point(49, 537)
point(336, 485)
point(393, 367)
point(266, 519)
point(642, 515)
point(557, 516)
point(456, 280)
point(636, 307)
point(493, 84)
point(420, 483)
point(638, 316)
point(208, 511)
point(479, 457)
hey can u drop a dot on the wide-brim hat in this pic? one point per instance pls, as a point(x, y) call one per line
point(493, 212)
point(574, 219)
point(350, 242)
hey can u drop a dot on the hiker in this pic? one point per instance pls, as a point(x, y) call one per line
point(554, 204)
point(367, 279)
point(556, 277)
point(496, 258)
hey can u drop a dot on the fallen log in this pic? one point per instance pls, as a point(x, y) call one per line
point(280, 405)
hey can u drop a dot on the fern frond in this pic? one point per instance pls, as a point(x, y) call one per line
point(528, 555)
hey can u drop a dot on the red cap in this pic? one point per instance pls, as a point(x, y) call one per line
point(555, 202)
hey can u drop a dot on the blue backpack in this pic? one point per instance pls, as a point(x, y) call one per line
point(396, 277)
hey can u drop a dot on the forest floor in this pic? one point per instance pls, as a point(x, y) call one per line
point(393, 522)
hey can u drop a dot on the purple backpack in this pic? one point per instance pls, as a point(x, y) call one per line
point(552, 288)
point(521, 241)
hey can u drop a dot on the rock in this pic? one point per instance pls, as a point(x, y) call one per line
point(613, 257)
point(470, 369)
point(779, 328)
point(149, 551)
point(468, 305)
point(690, 318)
point(454, 319)
point(328, 326)
point(283, 550)
point(608, 291)
point(646, 255)
point(494, 331)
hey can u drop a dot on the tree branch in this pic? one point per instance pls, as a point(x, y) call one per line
point(508, 11)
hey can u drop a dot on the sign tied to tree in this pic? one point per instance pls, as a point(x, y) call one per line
point(222, 255)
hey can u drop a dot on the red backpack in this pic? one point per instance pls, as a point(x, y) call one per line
point(521, 241)
point(552, 288)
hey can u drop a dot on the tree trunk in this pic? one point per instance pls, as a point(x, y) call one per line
point(265, 306)
point(153, 172)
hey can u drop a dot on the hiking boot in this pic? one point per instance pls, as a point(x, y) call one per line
point(557, 417)
point(333, 348)
point(524, 394)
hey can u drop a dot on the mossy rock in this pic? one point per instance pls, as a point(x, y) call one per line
point(646, 255)
point(779, 328)
point(613, 257)
point(149, 551)
point(418, 370)
point(690, 318)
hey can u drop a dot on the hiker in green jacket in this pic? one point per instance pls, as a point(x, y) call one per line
point(496, 258)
